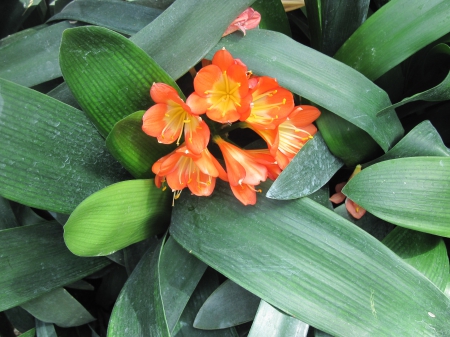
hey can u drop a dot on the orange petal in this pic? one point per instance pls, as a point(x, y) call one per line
point(303, 115)
point(162, 92)
point(206, 78)
point(223, 59)
point(244, 193)
point(203, 184)
point(197, 104)
point(354, 209)
point(153, 120)
point(196, 134)
point(337, 198)
point(238, 74)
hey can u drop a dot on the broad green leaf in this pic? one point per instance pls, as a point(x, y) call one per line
point(122, 17)
point(273, 16)
point(271, 322)
point(393, 33)
point(52, 156)
point(310, 169)
point(410, 192)
point(441, 92)
point(139, 309)
point(423, 140)
point(133, 253)
point(108, 75)
point(184, 33)
point(34, 260)
point(312, 264)
point(425, 252)
point(58, 307)
point(62, 93)
point(116, 217)
point(20, 318)
point(179, 274)
point(45, 329)
point(229, 305)
point(134, 149)
point(33, 58)
point(318, 78)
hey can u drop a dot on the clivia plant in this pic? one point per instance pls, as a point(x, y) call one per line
point(166, 168)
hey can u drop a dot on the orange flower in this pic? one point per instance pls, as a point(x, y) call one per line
point(167, 118)
point(183, 169)
point(221, 90)
point(245, 170)
point(248, 19)
point(271, 103)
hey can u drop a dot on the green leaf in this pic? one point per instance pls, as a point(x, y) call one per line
point(108, 75)
point(179, 274)
point(410, 26)
point(35, 260)
point(7, 217)
point(33, 58)
point(29, 333)
point(316, 77)
point(309, 262)
point(139, 309)
point(310, 169)
point(122, 17)
point(273, 16)
point(404, 191)
point(134, 149)
point(116, 217)
point(184, 33)
point(20, 318)
point(270, 321)
point(52, 157)
point(229, 305)
point(45, 329)
point(58, 307)
point(425, 252)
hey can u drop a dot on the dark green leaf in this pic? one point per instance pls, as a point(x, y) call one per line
point(229, 305)
point(35, 260)
point(52, 157)
point(273, 16)
point(312, 264)
point(7, 217)
point(116, 217)
point(20, 319)
point(133, 253)
point(310, 169)
point(108, 75)
point(45, 329)
point(404, 191)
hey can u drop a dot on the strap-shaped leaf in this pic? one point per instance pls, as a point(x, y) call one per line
point(51, 157)
point(320, 79)
point(273, 16)
point(134, 149)
point(116, 217)
point(108, 75)
point(35, 260)
point(409, 192)
point(44, 329)
point(395, 32)
point(123, 17)
point(310, 169)
point(312, 264)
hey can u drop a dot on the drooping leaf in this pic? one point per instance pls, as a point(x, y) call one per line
point(117, 216)
point(271, 322)
point(34, 260)
point(123, 17)
point(134, 149)
point(410, 26)
point(58, 307)
point(192, 28)
point(318, 78)
point(312, 264)
point(108, 75)
point(310, 169)
point(403, 191)
point(52, 156)
point(229, 305)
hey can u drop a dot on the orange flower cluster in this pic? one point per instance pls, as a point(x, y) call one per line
point(226, 92)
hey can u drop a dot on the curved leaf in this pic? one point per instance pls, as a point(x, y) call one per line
point(51, 157)
point(312, 264)
point(108, 75)
point(404, 191)
point(116, 217)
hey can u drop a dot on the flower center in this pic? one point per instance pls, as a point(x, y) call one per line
point(224, 95)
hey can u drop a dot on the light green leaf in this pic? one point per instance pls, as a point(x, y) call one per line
point(29, 333)
point(134, 149)
point(108, 75)
point(271, 322)
point(309, 262)
point(52, 157)
point(116, 217)
point(318, 78)
point(404, 191)
point(58, 307)
point(34, 260)
point(393, 33)
point(310, 169)
point(229, 305)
